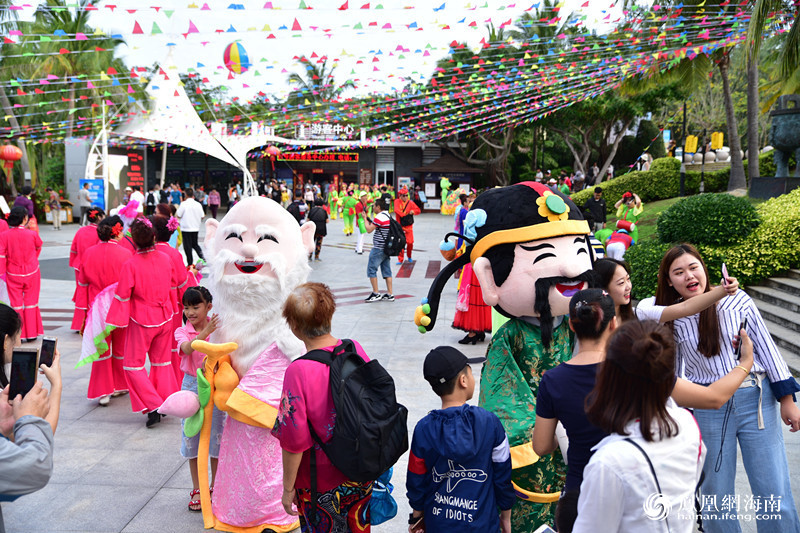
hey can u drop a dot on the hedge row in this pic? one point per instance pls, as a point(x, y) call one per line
point(771, 248)
point(662, 181)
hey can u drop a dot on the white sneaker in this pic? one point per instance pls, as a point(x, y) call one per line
point(104, 400)
point(388, 297)
point(373, 297)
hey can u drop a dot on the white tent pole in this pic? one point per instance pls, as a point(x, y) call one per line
point(105, 158)
point(164, 164)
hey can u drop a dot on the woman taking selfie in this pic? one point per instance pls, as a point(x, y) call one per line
point(563, 392)
point(752, 416)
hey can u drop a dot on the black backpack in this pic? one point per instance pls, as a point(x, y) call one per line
point(369, 433)
point(396, 240)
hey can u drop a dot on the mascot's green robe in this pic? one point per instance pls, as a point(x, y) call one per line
point(515, 362)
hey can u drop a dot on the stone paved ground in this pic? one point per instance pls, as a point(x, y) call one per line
point(114, 475)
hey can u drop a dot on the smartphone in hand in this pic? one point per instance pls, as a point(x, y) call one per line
point(24, 369)
point(48, 351)
point(724, 274)
point(742, 326)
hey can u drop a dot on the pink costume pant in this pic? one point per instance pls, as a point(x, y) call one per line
point(23, 293)
point(79, 315)
point(148, 393)
point(108, 375)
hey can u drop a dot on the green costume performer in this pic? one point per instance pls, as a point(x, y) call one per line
point(444, 185)
point(349, 213)
point(530, 251)
point(333, 203)
point(630, 210)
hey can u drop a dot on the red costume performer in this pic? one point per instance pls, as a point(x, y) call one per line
point(145, 303)
point(3, 225)
point(404, 206)
point(477, 318)
point(101, 267)
point(19, 265)
point(85, 238)
point(185, 280)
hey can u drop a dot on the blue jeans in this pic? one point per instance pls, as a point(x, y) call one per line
point(764, 458)
point(189, 445)
point(378, 258)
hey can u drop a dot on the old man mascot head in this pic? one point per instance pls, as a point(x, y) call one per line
point(529, 249)
point(257, 255)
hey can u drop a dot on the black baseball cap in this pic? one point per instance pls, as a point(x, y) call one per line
point(443, 363)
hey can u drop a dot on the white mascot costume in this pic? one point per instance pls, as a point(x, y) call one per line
point(257, 255)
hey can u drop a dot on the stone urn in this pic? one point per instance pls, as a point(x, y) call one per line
point(785, 134)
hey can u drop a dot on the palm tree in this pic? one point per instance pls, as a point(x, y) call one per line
point(8, 20)
point(788, 63)
point(318, 84)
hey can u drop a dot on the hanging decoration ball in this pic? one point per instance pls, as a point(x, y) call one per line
point(273, 152)
point(10, 153)
point(236, 58)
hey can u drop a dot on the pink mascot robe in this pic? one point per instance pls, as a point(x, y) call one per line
point(101, 267)
point(145, 303)
point(84, 238)
point(257, 255)
point(19, 266)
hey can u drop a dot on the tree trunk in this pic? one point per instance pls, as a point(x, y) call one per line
point(737, 179)
point(613, 149)
point(70, 107)
point(12, 119)
point(534, 148)
point(752, 118)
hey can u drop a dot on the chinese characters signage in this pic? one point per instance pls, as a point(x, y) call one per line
point(324, 130)
point(336, 157)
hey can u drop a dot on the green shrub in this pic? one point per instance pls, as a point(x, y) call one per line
point(712, 219)
point(662, 181)
point(773, 247)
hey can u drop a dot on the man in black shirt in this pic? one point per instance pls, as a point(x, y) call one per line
point(597, 207)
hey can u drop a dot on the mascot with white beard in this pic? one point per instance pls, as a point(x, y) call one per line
point(257, 255)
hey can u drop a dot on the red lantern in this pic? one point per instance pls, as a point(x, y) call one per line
point(10, 153)
point(273, 152)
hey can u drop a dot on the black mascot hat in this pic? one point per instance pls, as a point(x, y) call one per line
point(523, 212)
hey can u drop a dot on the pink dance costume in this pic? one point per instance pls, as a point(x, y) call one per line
point(185, 280)
point(84, 238)
point(101, 267)
point(145, 304)
point(19, 265)
point(478, 316)
point(249, 483)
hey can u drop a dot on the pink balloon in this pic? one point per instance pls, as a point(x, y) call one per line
point(182, 404)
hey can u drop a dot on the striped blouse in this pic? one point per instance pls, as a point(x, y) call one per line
point(731, 310)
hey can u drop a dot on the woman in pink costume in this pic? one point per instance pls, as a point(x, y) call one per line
point(19, 266)
point(164, 227)
point(84, 238)
point(145, 302)
point(102, 264)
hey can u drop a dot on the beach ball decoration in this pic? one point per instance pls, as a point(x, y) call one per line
point(236, 58)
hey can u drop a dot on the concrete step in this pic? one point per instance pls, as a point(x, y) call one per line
point(779, 315)
point(790, 286)
point(793, 273)
point(789, 343)
point(775, 297)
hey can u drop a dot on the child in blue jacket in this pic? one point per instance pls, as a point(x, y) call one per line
point(459, 469)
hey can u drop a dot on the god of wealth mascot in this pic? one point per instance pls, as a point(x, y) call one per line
point(257, 254)
point(530, 250)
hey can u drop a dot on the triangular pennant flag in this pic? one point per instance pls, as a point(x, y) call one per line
point(296, 26)
point(156, 30)
point(137, 29)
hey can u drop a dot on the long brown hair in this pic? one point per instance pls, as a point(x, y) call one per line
point(708, 327)
point(635, 381)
